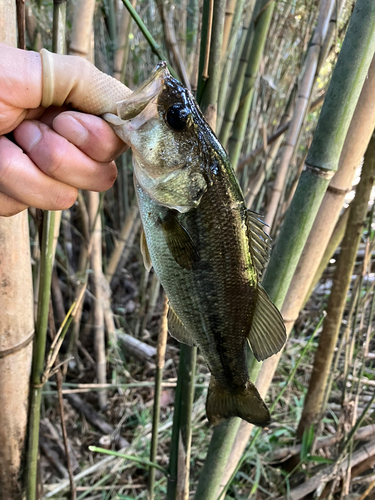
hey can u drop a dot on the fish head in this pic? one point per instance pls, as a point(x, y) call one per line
point(170, 139)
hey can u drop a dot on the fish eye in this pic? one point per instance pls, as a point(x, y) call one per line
point(177, 116)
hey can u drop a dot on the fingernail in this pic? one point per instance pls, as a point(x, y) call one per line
point(71, 129)
point(31, 135)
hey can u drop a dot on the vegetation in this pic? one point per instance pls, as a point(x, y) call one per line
point(115, 412)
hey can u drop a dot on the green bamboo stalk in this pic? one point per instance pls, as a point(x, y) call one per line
point(235, 94)
point(150, 39)
point(46, 264)
point(160, 356)
point(347, 81)
point(182, 414)
point(262, 24)
point(216, 459)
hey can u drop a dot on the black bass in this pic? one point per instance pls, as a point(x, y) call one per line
point(207, 249)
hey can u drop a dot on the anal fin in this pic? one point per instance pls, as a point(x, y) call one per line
point(267, 334)
point(177, 329)
point(245, 403)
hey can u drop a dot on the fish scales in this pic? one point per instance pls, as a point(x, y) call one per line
point(207, 249)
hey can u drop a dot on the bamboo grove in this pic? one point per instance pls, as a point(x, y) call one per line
point(97, 401)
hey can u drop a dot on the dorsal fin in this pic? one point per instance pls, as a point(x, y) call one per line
point(267, 334)
point(260, 241)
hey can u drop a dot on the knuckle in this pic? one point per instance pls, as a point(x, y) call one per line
point(53, 161)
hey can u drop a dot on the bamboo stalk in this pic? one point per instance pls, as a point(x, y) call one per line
point(206, 28)
point(208, 102)
point(121, 54)
point(171, 43)
point(304, 93)
point(16, 323)
point(178, 476)
point(21, 21)
point(332, 471)
point(230, 10)
point(160, 359)
point(51, 220)
point(121, 242)
point(46, 263)
point(262, 22)
point(141, 25)
point(97, 289)
point(235, 93)
point(334, 242)
point(346, 84)
point(228, 54)
point(340, 287)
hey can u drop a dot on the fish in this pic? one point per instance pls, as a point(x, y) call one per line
point(207, 249)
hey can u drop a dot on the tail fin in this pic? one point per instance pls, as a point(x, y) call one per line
point(245, 403)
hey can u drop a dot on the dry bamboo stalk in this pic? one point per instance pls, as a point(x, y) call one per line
point(363, 434)
point(80, 45)
point(229, 13)
point(121, 242)
point(16, 322)
point(303, 98)
point(123, 37)
point(333, 243)
point(82, 28)
point(171, 42)
point(340, 287)
point(16, 334)
point(97, 276)
point(332, 471)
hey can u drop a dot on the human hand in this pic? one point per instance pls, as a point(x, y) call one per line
point(57, 151)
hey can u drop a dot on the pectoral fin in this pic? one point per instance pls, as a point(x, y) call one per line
point(145, 253)
point(177, 329)
point(267, 333)
point(245, 403)
point(179, 242)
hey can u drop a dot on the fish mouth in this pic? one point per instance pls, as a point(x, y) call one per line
point(133, 105)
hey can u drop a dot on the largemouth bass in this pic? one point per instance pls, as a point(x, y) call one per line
point(206, 247)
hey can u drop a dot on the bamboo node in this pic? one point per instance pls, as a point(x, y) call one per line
point(320, 172)
point(338, 191)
